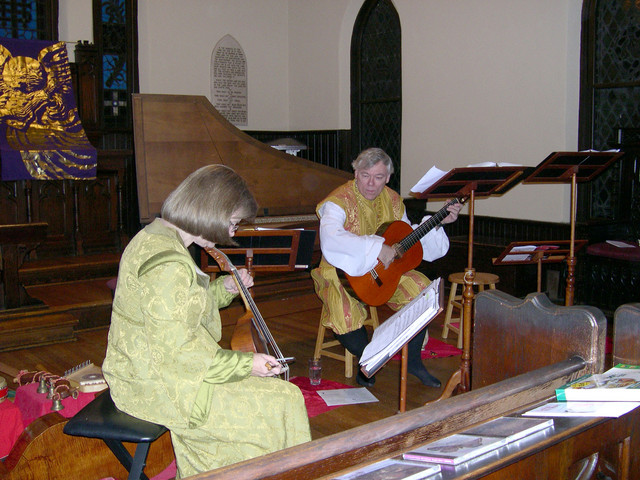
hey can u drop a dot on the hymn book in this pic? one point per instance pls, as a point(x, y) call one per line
point(618, 384)
point(511, 428)
point(455, 449)
point(397, 330)
point(392, 469)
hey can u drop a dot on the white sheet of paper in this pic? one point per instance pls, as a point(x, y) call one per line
point(397, 330)
point(346, 396)
point(582, 409)
point(619, 244)
point(519, 258)
point(432, 176)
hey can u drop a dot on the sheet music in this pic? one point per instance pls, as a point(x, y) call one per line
point(521, 257)
point(432, 176)
point(392, 334)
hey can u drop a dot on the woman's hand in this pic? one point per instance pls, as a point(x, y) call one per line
point(245, 277)
point(265, 366)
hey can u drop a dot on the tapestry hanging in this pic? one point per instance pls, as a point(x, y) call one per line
point(41, 136)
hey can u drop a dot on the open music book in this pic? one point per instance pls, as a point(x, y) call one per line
point(397, 330)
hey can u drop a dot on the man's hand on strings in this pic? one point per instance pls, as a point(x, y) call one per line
point(245, 277)
point(387, 255)
point(265, 365)
point(453, 210)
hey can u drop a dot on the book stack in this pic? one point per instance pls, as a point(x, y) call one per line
point(609, 394)
point(618, 384)
point(477, 441)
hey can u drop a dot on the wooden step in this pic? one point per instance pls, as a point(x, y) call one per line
point(66, 269)
point(42, 327)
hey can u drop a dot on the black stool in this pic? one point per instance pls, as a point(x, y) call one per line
point(102, 419)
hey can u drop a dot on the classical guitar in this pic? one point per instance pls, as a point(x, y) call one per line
point(377, 285)
point(251, 333)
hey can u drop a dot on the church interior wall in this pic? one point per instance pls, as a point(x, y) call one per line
point(483, 80)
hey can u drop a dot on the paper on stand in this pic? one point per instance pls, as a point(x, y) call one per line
point(431, 177)
point(510, 257)
point(401, 327)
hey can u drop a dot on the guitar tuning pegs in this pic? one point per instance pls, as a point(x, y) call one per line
point(42, 387)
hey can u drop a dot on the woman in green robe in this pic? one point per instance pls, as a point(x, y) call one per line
point(163, 361)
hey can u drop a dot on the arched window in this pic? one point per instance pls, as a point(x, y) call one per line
point(376, 82)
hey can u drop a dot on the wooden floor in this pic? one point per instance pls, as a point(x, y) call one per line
point(295, 334)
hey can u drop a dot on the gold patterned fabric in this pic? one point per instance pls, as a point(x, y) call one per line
point(41, 135)
point(342, 312)
point(164, 364)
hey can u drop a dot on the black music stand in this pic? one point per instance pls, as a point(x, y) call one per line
point(550, 251)
point(474, 182)
point(266, 250)
point(572, 167)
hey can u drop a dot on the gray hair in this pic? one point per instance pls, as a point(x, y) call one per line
point(370, 157)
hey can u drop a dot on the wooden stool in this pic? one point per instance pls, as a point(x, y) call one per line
point(480, 280)
point(322, 346)
point(102, 419)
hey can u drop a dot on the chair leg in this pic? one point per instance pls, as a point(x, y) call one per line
point(447, 317)
point(319, 341)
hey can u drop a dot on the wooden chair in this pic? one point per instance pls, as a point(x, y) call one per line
point(480, 280)
point(323, 346)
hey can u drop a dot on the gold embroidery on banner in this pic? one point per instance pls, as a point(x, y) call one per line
point(39, 123)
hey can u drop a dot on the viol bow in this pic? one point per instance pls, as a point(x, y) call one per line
point(251, 332)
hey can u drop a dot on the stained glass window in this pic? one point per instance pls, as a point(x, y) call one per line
point(29, 19)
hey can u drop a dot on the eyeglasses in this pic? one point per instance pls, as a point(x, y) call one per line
point(233, 227)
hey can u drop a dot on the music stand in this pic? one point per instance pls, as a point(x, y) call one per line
point(572, 167)
point(271, 250)
point(474, 182)
point(551, 251)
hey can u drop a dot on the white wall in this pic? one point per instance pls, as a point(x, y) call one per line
point(483, 80)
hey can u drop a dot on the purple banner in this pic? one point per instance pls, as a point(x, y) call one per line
point(41, 136)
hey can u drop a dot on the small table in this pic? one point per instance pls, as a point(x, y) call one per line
point(33, 405)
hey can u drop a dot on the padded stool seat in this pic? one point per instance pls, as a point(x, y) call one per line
point(102, 419)
point(322, 346)
point(454, 324)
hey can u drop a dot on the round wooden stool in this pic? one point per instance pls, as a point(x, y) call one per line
point(480, 280)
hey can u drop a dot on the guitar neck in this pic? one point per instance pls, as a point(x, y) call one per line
point(424, 228)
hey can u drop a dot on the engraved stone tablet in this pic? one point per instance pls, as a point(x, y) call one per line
point(229, 80)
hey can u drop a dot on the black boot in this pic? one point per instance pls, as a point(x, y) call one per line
point(355, 342)
point(414, 363)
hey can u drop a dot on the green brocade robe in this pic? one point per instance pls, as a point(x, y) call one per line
point(164, 364)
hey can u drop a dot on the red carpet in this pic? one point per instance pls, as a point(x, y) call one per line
point(314, 403)
point(436, 349)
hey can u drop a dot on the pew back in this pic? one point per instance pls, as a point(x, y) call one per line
point(513, 336)
point(626, 332)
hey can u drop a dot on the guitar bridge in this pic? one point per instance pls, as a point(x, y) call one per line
point(376, 278)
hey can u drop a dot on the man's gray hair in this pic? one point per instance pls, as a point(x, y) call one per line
point(370, 157)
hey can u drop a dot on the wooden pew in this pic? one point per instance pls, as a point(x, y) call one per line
point(626, 332)
point(13, 295)
point(554, 346)
point(523, 335)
